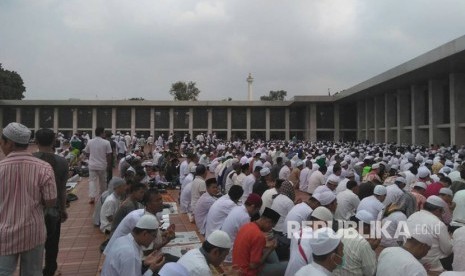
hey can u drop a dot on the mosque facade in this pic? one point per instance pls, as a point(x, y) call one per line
point(421, 101)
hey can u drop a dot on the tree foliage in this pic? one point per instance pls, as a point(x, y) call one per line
point(182, 91)
point(279, 95)
point(11, 85)
point(136, 99)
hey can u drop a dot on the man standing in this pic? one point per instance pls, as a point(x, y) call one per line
point(27, 185)
point(100, 152)
point(57, 214)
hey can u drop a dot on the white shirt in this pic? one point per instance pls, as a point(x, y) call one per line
point(303, 179)
point(198, 188)
point(247, 186)
point(188, 179)
point(237, 218)
point(297, 260)
point(459, 212)
point(231, 179)
point(201, 211)
point(393, 219)
point(267, 199)
point(124, 258)
point(360, 258)
point(194, 261)
point(98, 148)
point(218, 213)
point(342, 185)
point(323, 188)
point(284, 173)
point(372, 205)
point(458, 246)
point(442, 245)
point(282, 205)
point(316, 179)
point(183, 170)
point(313, 269)
point(109, 208)
point(398, 261)
point(185, 198)
point(347, 203)
point(298, 213)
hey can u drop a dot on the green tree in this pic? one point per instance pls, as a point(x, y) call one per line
point(136, 99)
point(182, 91)
point(11, 85)
point(279, 95)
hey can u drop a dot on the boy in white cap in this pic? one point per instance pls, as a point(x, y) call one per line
point(447, 195)
point(112, 203)
point(374, 203)
point(204, 204)
point(418, 192)
point(429, 219)
point(395, 192)
point(327, 253)
point(213, 252)
point(124, 258)
point(22, 225)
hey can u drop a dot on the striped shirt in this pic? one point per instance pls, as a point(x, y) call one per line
point(25, 183)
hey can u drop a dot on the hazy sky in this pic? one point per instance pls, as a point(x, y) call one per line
point(114, 49)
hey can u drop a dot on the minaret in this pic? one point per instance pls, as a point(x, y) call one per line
point(250, 81)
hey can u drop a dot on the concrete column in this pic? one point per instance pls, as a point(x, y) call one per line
point(457, 102)
point(36, 119)
point(248, 123)
point(380, 120)
point(376, 118)
point(113, 119)
point(312, 122)
point(94, 118)
point(229, 123)
point(367, 126)
point(191, 122)
point(152, 122)
point(337, 128)
point(390, 114)
point(210, 121)
point(359, 120)
point(417, 114)
point(133, 120)
point(55, 119)
point(403, 116)
point(267, 123)
point(18, 114)
point(171, 120)
point(435, 104)
point(287, 124)
point(75, 119)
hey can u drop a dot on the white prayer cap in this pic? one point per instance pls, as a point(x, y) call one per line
point(380, 190)
point(17, 133)
point(299, 163)
point(445, 170)
point(423, 172)
point(420, 184)
point(359, 163)
point(350, 173)
point(401, 179)
point(148, 222)
point(219, 238)
point(395, 167)
point(325, 198)
point(375, 166)
point(263, 156)
point(115, 182)
point(365, 216)
point(446, 191)
point(368, 157)
point(265, 171)
point(322, 213)
point(324, 241)
point(193, 168)
point(429, 161)
point(267, 165)
point(437, 201)
point(353, 154)
point(334, 179)
point(170, 269)
point(343, 163)
point(131, 169)
point(449, 163)
point(147, 163)
point(423, 235)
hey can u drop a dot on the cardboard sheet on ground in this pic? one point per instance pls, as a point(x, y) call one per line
point(184, 238)
point(180, 250)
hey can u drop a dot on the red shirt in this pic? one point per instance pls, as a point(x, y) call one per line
point(433, 189)
point(248, 248)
